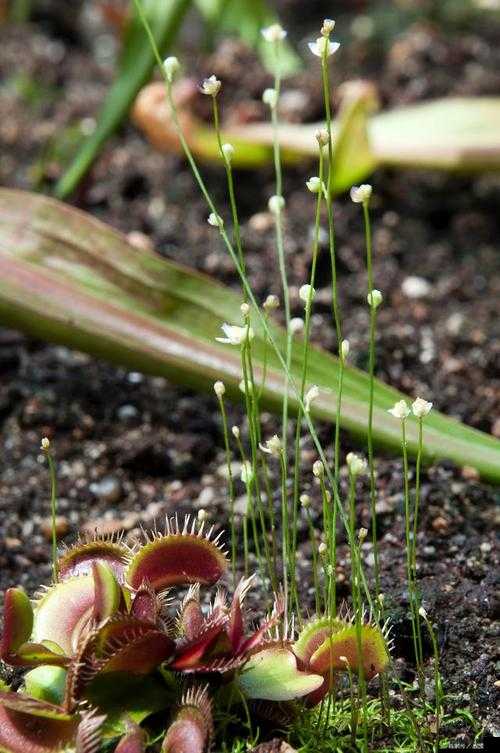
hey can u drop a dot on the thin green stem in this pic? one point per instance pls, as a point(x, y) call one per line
point(53, 509)
point(407, 515)
point(230, 483)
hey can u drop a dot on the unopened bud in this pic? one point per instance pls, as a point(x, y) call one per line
point(45, 443)
point(271, 303)
point(219, 388)
point(318, 469)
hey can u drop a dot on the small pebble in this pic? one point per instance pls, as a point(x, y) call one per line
point(62, 527)
point(108, 490)
point(415, 287)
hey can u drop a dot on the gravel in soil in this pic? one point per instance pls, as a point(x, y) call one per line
point(132, 449)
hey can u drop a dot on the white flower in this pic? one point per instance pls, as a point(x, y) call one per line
point(305, 501)
point(296, 325)
point(328, 27)
point(322, 136)
point(245, 309)
point(211, 86)
point(400, 410)
point(422, 613)
point(246, 473)
point(235, 335)
point(171, 65)
point(219, 388)
point(276, 204)
point(318, 469)
point(322, 46)
point(202, 515)
point(271, 303)
point(362, 534)
point(228, 151)
point(344, 349)
point(322, 549)
point(421, 407)
point(314, 184)
point(306, 293)
point(356, 464)
point(45, 443)
point(270, 98)
point(361, 194)
point(273, 446)
point(235, 430)
point(374, 298)
point(311, 394)
point(215, 220)
point(273, 33)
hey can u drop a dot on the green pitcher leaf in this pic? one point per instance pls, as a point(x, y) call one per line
point(70, 279)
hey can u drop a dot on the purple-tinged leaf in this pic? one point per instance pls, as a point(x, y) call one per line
point(78, 559)
point(17, 622)
point(88, 734)
point(107, 592)
point(179, 557)
point(267, 624)
point(235, 628)
point(191, 730)
point(190, 653)
point(134, 741)
point(64, 611)
point(191, 618)
point(125, 644)
point(31, 726)
point(145, 604)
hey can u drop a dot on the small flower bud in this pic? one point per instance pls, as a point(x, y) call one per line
point(381, 598)
point(296, 325)
point(202, 515)
point(45, 444)
point(362, 534)
point(273, 446)
point(422, 613)
point(356, 464)
point(276, 204)
point(322, 136)
point(374, 298)
point(328, 27)
point(270, 98)
point(228, 151)
point(274, 33)
point(307, 293)
point(322, 549)
point(210, 86)
point(314, 184)
point(318, 469)
point(245, 309)
point(361, 194)
point(246, 473)
point(311, 394)
point(305, 501)
point(271, 303)
point(344, 349)
point(215, 220)
point(421, 407)
point(235, 432)
point(171, 65)
point(400, 410)
point(219, 388)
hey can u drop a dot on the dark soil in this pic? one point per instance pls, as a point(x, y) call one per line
point(131, 448)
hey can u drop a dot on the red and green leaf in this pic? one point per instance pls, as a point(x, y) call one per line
point(31, 726)
point(68, 278)
point(107, 592)
point(272, 674)
point(64, 611)
point(341, 649)
point(78, 559)
point(177, 558)
point(191, 730)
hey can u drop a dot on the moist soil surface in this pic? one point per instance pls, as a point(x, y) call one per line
point(132, 449)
